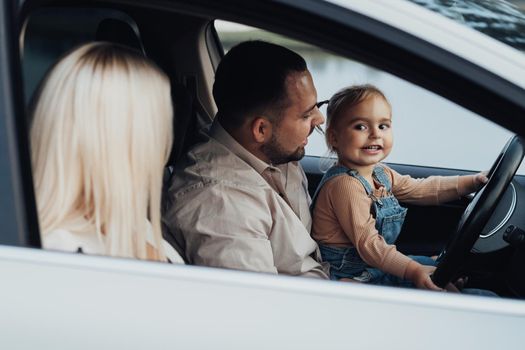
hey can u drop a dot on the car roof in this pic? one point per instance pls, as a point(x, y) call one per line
point(463, 41)
point(402, 16)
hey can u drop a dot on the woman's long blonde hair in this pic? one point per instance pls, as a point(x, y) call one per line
point(100, 136)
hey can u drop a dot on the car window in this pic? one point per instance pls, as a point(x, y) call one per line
point(428, 130)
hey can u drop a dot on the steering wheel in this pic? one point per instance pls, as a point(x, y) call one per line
point(478, 212)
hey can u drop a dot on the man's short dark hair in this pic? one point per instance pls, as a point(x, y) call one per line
point(251, 79)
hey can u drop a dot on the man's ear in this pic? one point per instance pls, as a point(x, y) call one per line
point(261, 129)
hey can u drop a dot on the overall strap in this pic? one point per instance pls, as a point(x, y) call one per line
point(334, 171)
point(381, 176)
point(368, 188)
point(376, 202)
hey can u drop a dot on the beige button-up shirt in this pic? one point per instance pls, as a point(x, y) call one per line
point(228, 208)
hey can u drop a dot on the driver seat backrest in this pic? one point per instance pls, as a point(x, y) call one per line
point(119, 32)
point(188, 113)
point(190, 119)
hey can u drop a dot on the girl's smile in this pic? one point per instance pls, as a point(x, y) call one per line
point(372, 149)
point(362, 135)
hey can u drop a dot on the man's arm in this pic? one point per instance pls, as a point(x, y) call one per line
point(223, 226)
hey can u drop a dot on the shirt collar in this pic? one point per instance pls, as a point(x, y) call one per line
point(222, 136)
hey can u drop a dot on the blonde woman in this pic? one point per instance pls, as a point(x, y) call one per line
point(100, 135)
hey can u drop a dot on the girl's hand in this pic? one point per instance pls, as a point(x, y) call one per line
point(344, 279)
point(472, 183)
point(480, 179)
point(420, 275)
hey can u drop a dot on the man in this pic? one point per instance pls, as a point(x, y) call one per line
point(240, 200)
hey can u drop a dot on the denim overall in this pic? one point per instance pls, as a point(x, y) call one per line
point(389, 216)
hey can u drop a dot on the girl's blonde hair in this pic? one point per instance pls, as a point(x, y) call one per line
point(101, 134)
point(345, 99)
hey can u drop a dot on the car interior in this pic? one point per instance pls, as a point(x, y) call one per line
point(181, 37)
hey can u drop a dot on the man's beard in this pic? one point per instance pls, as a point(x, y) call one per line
point(277, 155)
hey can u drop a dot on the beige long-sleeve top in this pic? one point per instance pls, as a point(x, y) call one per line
point(342, 216)
point(227, 208)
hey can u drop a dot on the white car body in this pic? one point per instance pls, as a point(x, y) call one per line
point(65, 301)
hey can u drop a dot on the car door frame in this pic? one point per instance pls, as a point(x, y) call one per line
point(17, 207)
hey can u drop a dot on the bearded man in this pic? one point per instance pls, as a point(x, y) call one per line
point(240, 199)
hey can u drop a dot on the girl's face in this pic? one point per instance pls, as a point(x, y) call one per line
point(362, 135)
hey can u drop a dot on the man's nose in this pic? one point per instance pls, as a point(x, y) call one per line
point(319, 119)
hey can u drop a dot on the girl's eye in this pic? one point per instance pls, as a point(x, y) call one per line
point(359, 127)
point(384, 126)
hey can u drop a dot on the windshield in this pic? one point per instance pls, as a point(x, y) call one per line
point(503, 20)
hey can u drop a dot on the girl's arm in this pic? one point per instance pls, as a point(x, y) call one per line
point(347, 199)
point(433, 190)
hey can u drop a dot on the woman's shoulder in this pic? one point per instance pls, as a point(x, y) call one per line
point(171, 254)
point(65, 240)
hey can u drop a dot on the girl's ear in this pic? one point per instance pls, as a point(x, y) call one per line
point(261, 129)
point(332, 138)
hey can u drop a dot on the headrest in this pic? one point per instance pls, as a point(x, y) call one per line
point(120, 32)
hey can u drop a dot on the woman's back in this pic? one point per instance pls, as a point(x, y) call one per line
point(100, 136)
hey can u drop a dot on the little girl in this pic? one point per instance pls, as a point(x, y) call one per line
point(356, 214)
